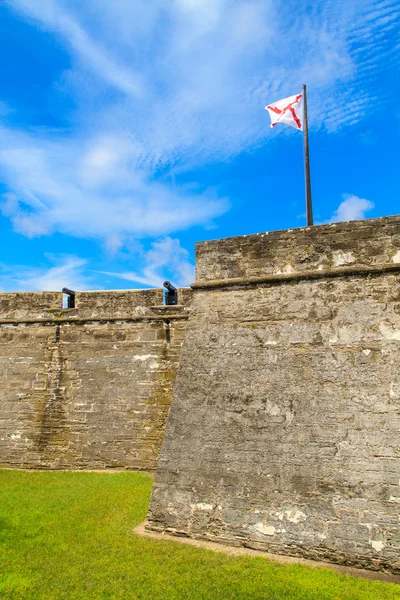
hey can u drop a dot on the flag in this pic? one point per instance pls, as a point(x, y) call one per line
point(288, 111)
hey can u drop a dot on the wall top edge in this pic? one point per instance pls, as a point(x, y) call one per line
point(88, 304)
point(367, 243)
point(312, 230)
point(81, 292)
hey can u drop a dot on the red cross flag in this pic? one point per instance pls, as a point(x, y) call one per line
point(288, 111)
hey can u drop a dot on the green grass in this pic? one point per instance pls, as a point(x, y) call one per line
point(69, 535)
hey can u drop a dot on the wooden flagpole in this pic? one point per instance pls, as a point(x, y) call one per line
point(307, 160)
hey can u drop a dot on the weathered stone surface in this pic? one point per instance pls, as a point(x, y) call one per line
point(325, 247)
point(90, 387)
point(284, 430)
point(32, 305)
point(283, 433)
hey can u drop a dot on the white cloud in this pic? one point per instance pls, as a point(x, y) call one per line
point(68, 271)
point(352, 208)
point(93, 190)
point(165, 260)
point(161, 86)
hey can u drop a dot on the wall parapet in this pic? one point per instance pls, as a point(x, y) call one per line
point(373, 243)
point(97, 306)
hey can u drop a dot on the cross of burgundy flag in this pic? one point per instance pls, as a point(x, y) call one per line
point(288, 111)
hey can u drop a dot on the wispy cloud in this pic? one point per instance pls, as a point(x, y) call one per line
point(165, 260)
point(352, 208)
point(52, 15)
point(92, 190)
point(67, 271)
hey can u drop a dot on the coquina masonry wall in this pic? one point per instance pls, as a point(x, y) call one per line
point(283, 433)
point(90, 387)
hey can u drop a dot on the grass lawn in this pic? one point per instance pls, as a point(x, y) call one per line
point(69, 535)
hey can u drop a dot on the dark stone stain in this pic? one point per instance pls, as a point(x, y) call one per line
point(52, 422)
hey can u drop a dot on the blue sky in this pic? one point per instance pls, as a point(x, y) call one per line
point(130, 129)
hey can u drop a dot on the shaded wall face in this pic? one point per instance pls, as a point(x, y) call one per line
point(88, 387)
point(283, 433)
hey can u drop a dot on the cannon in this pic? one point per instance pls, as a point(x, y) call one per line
point(70, 297)
point(171, 294)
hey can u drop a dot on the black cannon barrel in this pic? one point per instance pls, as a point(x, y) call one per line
point(66, 290)
point(171, 295)
point(70, 297)
point(168, 285)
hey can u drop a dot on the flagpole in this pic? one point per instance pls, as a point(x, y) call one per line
point(307, 161)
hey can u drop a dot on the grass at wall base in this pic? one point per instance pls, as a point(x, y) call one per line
point(69, 536)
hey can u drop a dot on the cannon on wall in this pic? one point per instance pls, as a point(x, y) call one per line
point(170, 294)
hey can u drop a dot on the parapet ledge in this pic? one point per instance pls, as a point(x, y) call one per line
point(371, 245)
point(169, 310)
point(112, 305)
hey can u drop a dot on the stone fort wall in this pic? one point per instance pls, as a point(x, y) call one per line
point(283, 434)
point(89, 387)
point(284, 429)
